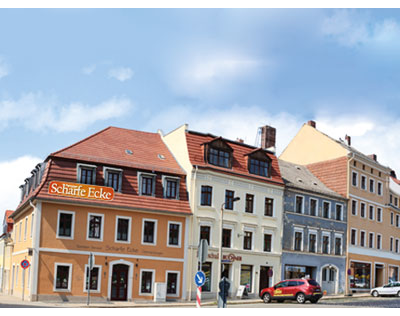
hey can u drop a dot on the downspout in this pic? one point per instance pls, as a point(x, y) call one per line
point(35, 251)
point(347, 283)
point(193, 202)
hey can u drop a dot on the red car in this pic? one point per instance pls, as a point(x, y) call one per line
point(301, 290)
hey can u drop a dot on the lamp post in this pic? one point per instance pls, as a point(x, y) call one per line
point(220, 242)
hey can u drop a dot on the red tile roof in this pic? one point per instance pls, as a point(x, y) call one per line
point(108, 148)
point(395, 180)
point(195, 142)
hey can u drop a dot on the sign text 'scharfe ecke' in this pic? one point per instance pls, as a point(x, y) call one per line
point(78, 190)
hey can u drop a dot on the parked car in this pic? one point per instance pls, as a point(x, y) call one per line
point(388, 289)
point(301, 290)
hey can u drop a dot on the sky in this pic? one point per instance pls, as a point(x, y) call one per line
point(68, 73)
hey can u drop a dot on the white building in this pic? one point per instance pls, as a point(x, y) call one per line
point(219, 170)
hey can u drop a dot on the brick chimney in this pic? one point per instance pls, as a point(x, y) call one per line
point(268, 137)
point(393, 174)
point(312, 123)
point(373, 156)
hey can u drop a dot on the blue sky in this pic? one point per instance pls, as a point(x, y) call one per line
point(67, 73)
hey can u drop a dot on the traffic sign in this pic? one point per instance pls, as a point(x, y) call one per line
point(200, 278)
point(25, 264)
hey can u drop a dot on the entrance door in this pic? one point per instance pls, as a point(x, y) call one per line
point(264, 278)
point(329, 275)
point(379, 275)
point(119, 282)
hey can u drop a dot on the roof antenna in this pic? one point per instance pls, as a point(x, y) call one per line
point(257, 142)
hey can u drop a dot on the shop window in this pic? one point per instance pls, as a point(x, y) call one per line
point(267, 242)
point(63, 277)
point(86, 174)
point(269, 207)
point(226, 268)
point(206, 195)
point(226, 238)
point(207, 269)
point(95, 226)
point(94, 278)
point(174, 234)
point(146, 281)
point(360, 275)
point(246, 277)
point(173, 283)
point(113, 178)
point(123, 229)
point(65, 225)
point(299, 204)
point(205, 232)
point(249, 208)
point(313, 207)
point(247, 240)
point(393, 274)
point(149, 235)
point(298, 272)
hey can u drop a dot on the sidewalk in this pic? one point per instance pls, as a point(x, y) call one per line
point(7, 299)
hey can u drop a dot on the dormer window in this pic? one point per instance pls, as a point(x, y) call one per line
point(171, 187)
point(219, 153)
point(86, 173)
point(259, 163)
point(113, 178)
point(147, 183)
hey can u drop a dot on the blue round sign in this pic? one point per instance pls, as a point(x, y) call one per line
point(25, 264)
point(200, 278)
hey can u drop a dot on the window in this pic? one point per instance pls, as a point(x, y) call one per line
point(299, 204)
point(391, 199)
point(325, 244)
point(113, 178)
point(372, 185)
point(313, 207)
point(123, 229)
point(353, 237)
point(249, 208)
point(363, 182)
point(32, 222)
point(379, 214)
point(26, 228)
point(147, 184)
point(362, 211)
point(339, 212)
point(269, 207)
point(62, 281)
point(86, 174)
point(391, 244)
point(207, 269)
point(65, 224)
point(354, 179)
point(379, 241)
point(149, 232)
point(95, 226)
point(259, 167)
point(397, 245)
point(326, 210)
point(226, 237)
point(174, 234)
point(146, 281)
point(395, 201)
point(206, 195)
point(380, 192)
point(20, 230)
point(298, 240)
point(391, 218)
point(95, 278)
point(219, 157)
point(246, 277)
point(312, 242)
point(362, 239)
point(371, 240)
point(267, 242)
point(229, 199)
point(171, 187)
point(353, 207)
point(338, 246)
point(397, 220)
point(371, 212)
point(205, 232)
point(247, 240)
point(172, 283)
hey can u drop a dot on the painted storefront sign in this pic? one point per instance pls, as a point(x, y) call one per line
point(78, 190)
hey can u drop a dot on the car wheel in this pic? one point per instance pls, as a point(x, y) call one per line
point(301, 298)
point(375, 294)
point(267, 298)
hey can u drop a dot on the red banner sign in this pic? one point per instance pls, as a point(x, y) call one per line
point(78, 190)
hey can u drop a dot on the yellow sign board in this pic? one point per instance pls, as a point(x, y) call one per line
point(78, 190)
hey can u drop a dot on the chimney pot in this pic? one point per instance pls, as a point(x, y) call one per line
point(239, 140)
point(348, 140)
point(312, 123)
point(393, 174)
point(268, 137)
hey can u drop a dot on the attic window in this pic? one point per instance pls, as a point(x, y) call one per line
point(259, 163)
point(219, 153)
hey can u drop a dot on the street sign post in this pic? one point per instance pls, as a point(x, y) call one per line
point(199, 279)
point(24, 265)
point(90, 265)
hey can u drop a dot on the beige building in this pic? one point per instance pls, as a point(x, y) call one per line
point(6, 248)
point(365, 182)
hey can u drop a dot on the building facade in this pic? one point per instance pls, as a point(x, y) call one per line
point(6, 247)
point(218, 171)
point(117, 195)
point(365, 183)
point(314, 230)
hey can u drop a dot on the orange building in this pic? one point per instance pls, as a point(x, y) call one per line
point(119, 195)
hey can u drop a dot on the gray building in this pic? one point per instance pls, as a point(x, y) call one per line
point(314, 229)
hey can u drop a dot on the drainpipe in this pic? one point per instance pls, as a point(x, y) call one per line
point(4, 262)
point(193, 202)
point(347, 281)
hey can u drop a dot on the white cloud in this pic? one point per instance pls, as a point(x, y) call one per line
point(352, 28)
point(4, 68)
point(13, 173)
point(37, 112)
point(122, 73)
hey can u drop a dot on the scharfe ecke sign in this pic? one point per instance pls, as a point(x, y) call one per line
point(78, 190)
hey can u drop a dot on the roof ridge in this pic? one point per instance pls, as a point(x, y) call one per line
point(79, 142)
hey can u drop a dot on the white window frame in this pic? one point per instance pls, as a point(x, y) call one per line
point(164, 183)
point(328, 234)
point(178, 282)
point(392, 218)
point(302, 203)
point(129, 229)
point(341, 243)
point(26, 228)
point(351, 211)
point(16, 276)
point(316, 207)
point(313, 232)
point(373, 185)
point(298, 230)
point(391, 244)
point(180, 235)
point(329, 211)
point(231, 227)
point(72, 224)
point(379, 244)
point(379, 183)
point(56, 264)
point(377, 212)
point(354, 185)
point(341, 213)
point(365, 210)
point(373, 212)
point(356, 236)
point(98, 290)
point(155, 221)
point(253, 234)
point(32, 218)
point(20, 230)
point(152, 282)
point(212, 194)
point(106, 170)
point(88, 226)
point(366, 184)
point(373, 240)
point(78, 171)
point(209, 224)
point(147, 174)
point(269, 232)
point(365, 237)
point(273, 207)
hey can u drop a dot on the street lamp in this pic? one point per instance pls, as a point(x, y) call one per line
point(220, 242)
